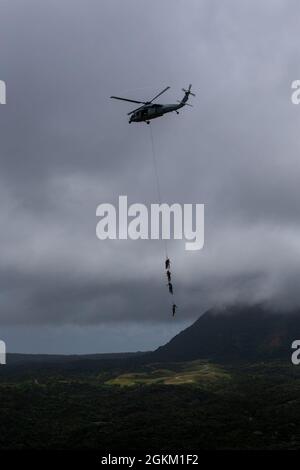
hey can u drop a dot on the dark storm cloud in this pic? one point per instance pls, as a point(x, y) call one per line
point(65, 148)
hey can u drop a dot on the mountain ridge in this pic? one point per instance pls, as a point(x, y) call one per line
point(235, 333)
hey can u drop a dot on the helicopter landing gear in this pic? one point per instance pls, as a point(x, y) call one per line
point(177, 112)
point(148, 122)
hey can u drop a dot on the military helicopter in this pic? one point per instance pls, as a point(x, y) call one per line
point(150, 110)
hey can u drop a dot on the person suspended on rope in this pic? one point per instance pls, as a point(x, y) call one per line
point(170, 285)
point(167, 263)
point(169, 275)
point(174, 306)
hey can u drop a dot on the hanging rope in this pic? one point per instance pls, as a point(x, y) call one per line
point(155, 167)
point(158, 188)
point(155, 164)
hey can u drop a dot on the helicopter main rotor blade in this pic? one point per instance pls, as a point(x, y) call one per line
point(126, 99)
point(134, 110)
point(159, 94)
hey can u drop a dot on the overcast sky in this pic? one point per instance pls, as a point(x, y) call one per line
point(66, 147)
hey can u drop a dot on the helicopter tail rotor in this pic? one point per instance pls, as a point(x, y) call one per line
point(188, 91)
point(187, 94)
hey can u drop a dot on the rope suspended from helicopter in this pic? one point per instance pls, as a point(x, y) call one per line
point(144, 113)
point(158, 188)
point(156, 175)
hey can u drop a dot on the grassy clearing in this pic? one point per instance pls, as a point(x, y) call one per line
point(193, 373)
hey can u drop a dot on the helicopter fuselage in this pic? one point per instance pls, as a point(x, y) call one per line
point(152, 111)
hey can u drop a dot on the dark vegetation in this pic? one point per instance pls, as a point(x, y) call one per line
point(237, 400)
